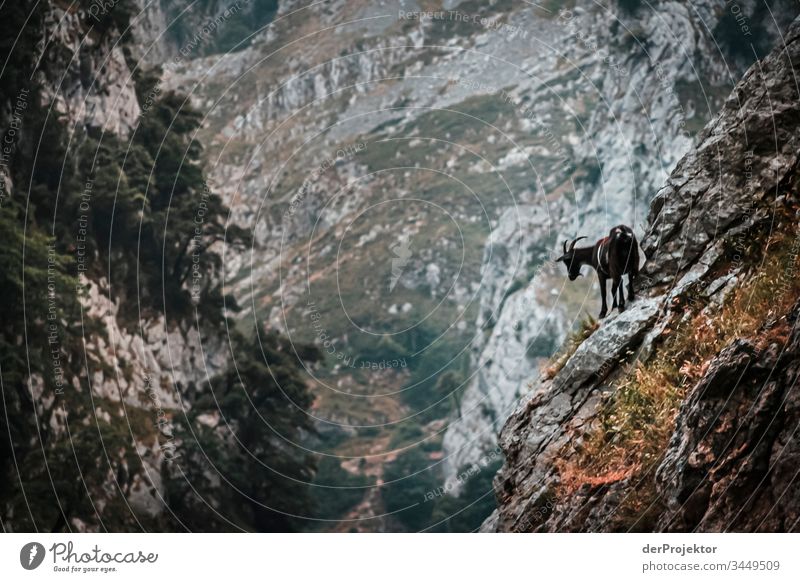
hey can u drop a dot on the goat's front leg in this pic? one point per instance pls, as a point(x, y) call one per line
point(604, 309)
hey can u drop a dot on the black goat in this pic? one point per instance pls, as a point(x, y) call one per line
point(612, 257)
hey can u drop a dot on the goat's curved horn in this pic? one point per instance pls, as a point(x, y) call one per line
point(565, 247)
point(572, 245)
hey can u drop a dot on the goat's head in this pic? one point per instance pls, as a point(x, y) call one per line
point(568, 258)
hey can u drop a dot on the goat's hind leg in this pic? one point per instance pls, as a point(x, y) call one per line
point(631, 277)
point(604, 309)
point(633, 273)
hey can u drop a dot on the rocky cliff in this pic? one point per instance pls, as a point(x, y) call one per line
point(406, 172)
point(123, 376)
point(680, 413)
point(655, 90)
point(524, 124)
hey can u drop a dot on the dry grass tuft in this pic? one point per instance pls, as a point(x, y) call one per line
point(635, 423)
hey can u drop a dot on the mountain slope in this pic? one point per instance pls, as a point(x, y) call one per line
point(681, 413)
point(477, 138)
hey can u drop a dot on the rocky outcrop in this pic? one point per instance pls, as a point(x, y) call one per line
point(603, 103)
point(87, 79)
point(756, 136)
point(167, 358)
point(730, 463)
point(648, 82)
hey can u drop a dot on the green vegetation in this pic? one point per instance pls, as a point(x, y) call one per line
point(333, 502)
point(431, 388)
point(421, 501)
point(408, 480)
point(475, 503)
point(630, 6)
point(30, 261)
point(138, 213)
point(262, 402)
point(406, 434)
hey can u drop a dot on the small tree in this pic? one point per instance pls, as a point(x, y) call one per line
point(248, 471)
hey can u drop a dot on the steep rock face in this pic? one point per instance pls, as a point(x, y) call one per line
point(136, 372)
point(596, 106)
point(150, 25)
point(699, 201)
point(531, 322)
point(730, 461)
point(654, 89)
point(88, 79)
point(396, 77)
point(169, 357)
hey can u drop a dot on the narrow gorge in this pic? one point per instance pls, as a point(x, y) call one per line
point(278, 265)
